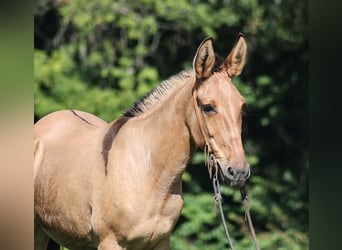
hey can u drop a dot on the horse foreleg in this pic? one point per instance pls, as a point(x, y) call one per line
point(109, 243)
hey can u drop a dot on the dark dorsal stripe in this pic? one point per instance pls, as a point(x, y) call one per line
point(80, 117)
point(109, 138)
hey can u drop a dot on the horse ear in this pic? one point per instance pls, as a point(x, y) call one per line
point(204, 59)
point(236, 60)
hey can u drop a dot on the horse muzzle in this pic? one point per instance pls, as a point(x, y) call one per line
point(233, 176)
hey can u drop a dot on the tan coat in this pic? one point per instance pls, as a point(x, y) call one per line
point(118, 185)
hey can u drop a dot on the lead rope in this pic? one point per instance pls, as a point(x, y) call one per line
point(212, 163)
point(244, 198)
point(218, 199)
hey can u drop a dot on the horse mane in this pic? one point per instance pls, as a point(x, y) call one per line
point(141, 106)
point(165, 87)
point(149, 101)
point(158, 94)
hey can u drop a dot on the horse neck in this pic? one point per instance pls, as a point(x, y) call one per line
point(167, 139)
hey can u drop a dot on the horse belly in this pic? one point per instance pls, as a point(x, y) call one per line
point(65, 217)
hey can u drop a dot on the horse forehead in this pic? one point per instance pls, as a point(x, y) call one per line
point(220, 86)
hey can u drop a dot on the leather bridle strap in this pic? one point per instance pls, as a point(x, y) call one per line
point(210, 162)
point(201, 120)
point(208, 151)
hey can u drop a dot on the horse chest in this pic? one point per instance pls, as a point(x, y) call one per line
point(156, 222)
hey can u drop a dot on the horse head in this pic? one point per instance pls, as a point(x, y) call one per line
point(218, 107)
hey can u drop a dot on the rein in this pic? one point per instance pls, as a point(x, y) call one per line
point(211, 163)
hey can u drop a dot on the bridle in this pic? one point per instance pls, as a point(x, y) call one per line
point(213, 168)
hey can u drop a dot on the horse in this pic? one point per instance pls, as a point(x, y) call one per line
point(118, 185)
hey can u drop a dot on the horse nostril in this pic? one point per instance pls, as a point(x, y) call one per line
point(231, 171)
point(239, 174)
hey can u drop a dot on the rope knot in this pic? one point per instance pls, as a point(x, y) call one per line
point(211, 163)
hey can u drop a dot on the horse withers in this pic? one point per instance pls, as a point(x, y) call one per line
point(118, 185)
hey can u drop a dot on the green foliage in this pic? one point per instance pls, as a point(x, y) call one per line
point(100, 56)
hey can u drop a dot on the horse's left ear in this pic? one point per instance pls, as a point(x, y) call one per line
point(204, 59)
point(236, 60)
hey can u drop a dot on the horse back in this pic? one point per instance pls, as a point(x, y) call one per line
point(63, 132)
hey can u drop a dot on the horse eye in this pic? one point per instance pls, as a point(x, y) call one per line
point(208, 108)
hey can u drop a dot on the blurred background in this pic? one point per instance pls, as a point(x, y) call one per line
point(100, 56)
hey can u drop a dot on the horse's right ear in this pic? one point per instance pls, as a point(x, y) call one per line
point(204, 59)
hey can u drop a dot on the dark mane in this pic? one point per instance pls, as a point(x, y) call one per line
point(158, 94)
point(218, 63)
point(144, 104)
point(147, 102)
point(161, 91)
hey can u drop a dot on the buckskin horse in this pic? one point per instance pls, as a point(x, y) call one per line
point(118, 185)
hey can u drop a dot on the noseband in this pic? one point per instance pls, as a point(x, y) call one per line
point(213, 167)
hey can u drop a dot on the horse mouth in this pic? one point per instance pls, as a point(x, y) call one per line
point(237, 181)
